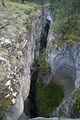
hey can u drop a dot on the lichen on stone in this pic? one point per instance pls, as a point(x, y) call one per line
point(8, 87)
point(15, 28)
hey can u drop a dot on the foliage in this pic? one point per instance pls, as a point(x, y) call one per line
point(44, 69)
point(69, 30)
point(67, 20)
point(48, 98)
point(76, 106)
point(4, 102)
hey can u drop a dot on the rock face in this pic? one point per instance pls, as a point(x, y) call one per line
point(18, 44)
point(20, 32)
point(69, 107)
point(63, 60)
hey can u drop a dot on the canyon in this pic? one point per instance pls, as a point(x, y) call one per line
point(23, 34)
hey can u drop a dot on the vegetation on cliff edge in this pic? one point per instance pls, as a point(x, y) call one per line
point(67, 21)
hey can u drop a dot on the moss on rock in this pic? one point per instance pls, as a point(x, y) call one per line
point(48, 98)
point(44, 69)
point(76, 106)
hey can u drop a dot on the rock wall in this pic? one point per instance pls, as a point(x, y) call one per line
point(63, 60)
point(19, 36)
point(20, 33)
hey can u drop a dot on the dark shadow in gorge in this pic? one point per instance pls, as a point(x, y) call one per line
point(30, 107)
point(44, 35)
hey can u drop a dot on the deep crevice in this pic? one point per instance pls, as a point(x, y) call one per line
point(30, 108)
point(44, 35)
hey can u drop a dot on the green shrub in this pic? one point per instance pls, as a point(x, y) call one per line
point(76, 106)
point(48, 98)
point(44, 69)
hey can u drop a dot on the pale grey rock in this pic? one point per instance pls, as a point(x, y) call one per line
point(64, 60)
point(42, 118)
point(54, 118)
point(19, 45)
point(22, 45)
point(65, 63)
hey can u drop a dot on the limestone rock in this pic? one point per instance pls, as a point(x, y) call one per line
point(18, 25)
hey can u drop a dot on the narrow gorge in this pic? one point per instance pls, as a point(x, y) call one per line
point(30, 106)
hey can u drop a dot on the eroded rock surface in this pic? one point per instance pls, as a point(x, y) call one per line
point(20, 32)
point(18, 25)
point(64, 61)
